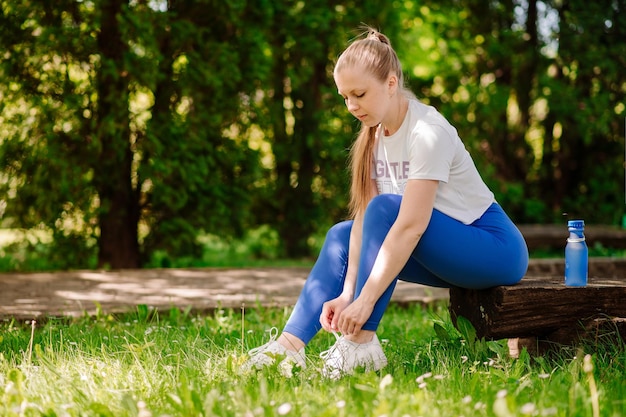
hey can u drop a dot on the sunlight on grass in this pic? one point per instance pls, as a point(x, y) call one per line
point(173, 363)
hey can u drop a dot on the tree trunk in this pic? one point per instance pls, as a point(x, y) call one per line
point(119, 213)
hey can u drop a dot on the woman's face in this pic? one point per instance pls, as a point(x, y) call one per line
point(366, 97)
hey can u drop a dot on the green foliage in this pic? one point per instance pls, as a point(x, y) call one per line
point(539, 109)
point(257, 247)
point(128, 129)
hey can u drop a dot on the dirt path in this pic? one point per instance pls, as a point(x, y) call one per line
point(30, 296)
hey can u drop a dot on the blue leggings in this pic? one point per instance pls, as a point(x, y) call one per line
point(491, 251)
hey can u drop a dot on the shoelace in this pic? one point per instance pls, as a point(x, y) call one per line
point(342, 347)
point(273, 335)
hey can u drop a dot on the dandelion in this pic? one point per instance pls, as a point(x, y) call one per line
point(284, 409)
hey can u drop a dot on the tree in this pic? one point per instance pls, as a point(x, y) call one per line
point(81, 157)
point(131, 127)
point(118, 214)
point(208, 71)
point(48, 149)
point(582, 169)
point(307, 124)
point(534, 90)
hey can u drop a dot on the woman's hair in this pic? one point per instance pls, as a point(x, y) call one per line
point(372, 53)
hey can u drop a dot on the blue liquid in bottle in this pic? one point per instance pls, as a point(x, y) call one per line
point(576, 255)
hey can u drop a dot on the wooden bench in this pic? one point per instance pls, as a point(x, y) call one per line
point(541, 311)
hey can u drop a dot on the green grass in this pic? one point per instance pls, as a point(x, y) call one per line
point(178, 364)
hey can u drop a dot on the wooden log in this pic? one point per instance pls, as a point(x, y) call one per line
point(538, 306)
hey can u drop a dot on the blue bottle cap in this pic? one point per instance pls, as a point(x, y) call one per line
point(576, 224)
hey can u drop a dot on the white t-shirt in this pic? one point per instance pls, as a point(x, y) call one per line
point(427, 147)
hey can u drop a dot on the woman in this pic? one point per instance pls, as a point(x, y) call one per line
point(420, 213)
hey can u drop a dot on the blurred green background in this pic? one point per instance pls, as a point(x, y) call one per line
point(140, 133)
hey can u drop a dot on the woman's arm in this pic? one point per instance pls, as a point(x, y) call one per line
point(415, 212)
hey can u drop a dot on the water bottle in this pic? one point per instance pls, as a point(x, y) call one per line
point(576, 255)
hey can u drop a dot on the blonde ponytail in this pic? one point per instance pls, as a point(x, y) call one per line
point(361, 163)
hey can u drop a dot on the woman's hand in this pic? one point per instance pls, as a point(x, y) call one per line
point(353, 317)
point(331, 311)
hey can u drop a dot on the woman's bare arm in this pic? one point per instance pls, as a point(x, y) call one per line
point(415, 212)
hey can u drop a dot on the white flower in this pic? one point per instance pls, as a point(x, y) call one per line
point(284, 409)
point(386, 381)
point(528, 408)
point(422, 377)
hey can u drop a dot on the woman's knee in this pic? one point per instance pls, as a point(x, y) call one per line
point(339, 231)
point(384, 206)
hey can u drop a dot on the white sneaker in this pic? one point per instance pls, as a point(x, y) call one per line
point(267, 354)
point(345, 356)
